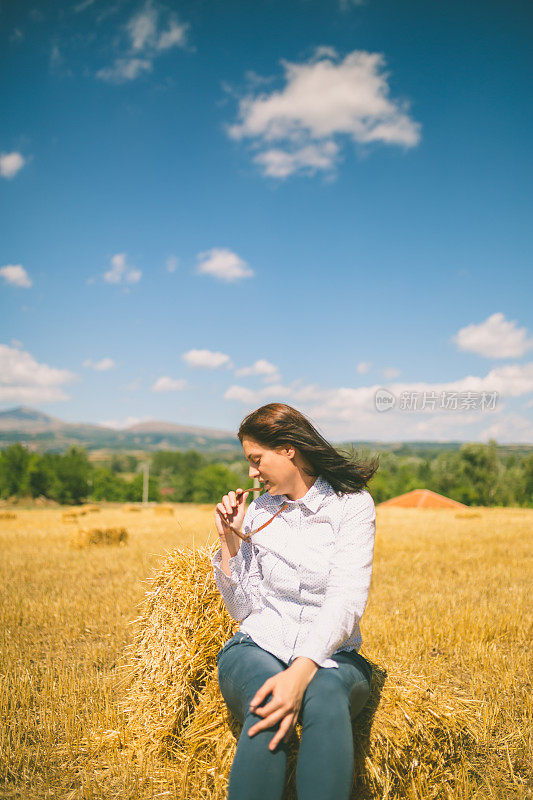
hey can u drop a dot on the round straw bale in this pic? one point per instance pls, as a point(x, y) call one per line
point(410, 733)
point(132, 508)
point(99, 536)
point(169, 510)
point(7, 515)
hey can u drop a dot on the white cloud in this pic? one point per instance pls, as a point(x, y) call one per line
point(351, 412)
point(82, 6)
point(16, 275)
point(391, 372)
point(149, 33)
point(142, 27)
point(121, 272)
point(496, 337)
point(165, 384)
point(363, 367)
point(260, 367)
point(512, 428)
point(120, 424)
point(10, 164)
point(223, 264)
point(326, 98)
point(100, 366)
point(176, 34)
point(23, 379)
point(125, 69)
point(206, 359)
point(172, 263)
point(279, 163)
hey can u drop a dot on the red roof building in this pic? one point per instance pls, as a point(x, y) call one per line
point(422, 498)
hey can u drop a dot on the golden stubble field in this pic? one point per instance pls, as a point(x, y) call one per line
point(450, 601)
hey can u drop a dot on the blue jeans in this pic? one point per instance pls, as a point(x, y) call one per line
point(333, 698)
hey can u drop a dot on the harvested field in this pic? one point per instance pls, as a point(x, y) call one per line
point(448, 626)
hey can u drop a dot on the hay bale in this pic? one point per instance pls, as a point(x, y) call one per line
point(467, 515)
point(7, 515)
point(72, 516)
point(409, 734)
point(133, 508)
point(164, 510)
point(92, 509)
point(99, 536)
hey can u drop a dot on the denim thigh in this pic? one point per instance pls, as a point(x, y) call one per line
point(351, 679)
point(242, 668)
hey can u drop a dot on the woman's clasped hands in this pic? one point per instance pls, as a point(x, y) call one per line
point(287, 689)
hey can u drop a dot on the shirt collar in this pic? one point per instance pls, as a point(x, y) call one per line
point(313, 498)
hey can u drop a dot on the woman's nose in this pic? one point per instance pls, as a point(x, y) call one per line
point(253, 472)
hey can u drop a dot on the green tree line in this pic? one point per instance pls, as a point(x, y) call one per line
point(474, 474)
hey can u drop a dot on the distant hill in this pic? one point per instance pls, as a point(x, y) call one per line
point(41, 432)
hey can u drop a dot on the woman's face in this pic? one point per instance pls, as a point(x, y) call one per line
point(275, 468)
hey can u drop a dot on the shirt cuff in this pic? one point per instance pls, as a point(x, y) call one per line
point(236, 565)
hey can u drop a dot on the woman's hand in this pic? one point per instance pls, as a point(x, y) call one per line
point(287, 689)
point(231, 509)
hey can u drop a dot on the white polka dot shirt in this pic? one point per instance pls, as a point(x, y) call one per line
point(299, 587)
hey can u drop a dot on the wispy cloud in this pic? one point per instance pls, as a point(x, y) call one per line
point(10, 164)
point(223, 264)
point(24, 380)
point(103, 365)
point(269, 372)
point(352, 411)
point(389, 373)
point(324, 100)
point(207, 359)
point(363, 367)
point(496, 337)
point(165, 384)
point(121, 424)
point(172, 263)
point(121, 272)
point(16, 275)
point(147, 34)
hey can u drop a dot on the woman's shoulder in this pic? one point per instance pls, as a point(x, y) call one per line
point(358, 503)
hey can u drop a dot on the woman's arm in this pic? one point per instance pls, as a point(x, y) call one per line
point(348, 581)
point(239, 589)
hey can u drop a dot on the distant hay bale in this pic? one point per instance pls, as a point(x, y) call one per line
point(99, 536)
point(467, 515)
point(409, 734)
point(92, 509)
point(7, 515)
point(169, 510)
point(132, 508)
point(72, 516)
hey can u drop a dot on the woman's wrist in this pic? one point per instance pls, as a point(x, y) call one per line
point(305, 667)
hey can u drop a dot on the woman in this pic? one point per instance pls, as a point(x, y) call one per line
point(298, 585)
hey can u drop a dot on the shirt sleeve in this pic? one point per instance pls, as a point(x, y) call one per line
point(240, 593)
point(348, 583)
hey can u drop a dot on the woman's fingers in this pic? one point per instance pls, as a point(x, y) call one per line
point(271, 720)
point(283, 732)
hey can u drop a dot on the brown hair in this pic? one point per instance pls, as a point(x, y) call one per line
point(278, 425)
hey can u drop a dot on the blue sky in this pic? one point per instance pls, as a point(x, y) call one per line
point(209, 206)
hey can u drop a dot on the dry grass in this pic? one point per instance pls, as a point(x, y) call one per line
point(449, 612)
point(7, 515)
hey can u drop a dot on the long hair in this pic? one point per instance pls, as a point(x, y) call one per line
point(277, 425)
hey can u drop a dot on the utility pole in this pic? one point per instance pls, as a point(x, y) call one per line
point(146, 475)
